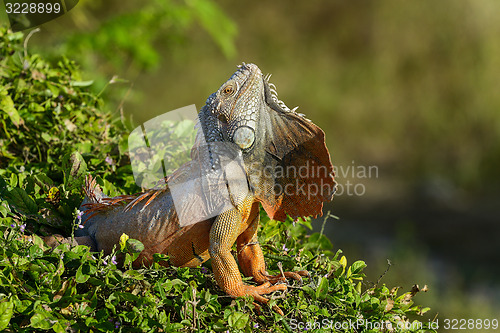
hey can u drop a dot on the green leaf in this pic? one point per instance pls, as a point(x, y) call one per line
point(6, 311)
point(133, 274)
point(126, 296)
point(357, 266)
point(172, 283)
point(358, 287)
point(41, 320)
point(22, 201)
point(80, 276)
point(74, 168)
point(322, 290)
point(35, 251)
point(318, 241)
point(343, 261)
point(81, 83)
point(157, 257)
point(184, 128)
point(7, 106)
point(238, 320)
point(59, 327)
point(47, 137)
point(37, 241)
point(13, 180)
point(348, 274)
point(134, 245)
point(4, 208)
point(309, 291)
point(15, 36)
point(123, 241)
point(422, 311)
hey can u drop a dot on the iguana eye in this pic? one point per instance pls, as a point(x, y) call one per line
point(228, 90)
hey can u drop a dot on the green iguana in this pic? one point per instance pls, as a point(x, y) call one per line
point(250, 149)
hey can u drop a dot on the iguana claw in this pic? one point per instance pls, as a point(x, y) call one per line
point(263, 289)
point(257, 291)
point(290, 275)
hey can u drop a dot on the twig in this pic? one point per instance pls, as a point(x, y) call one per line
point(384, 273)
point(328, 214)
point(193, 303)
point(26, 40)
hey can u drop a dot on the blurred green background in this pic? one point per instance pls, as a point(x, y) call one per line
point(410, 88)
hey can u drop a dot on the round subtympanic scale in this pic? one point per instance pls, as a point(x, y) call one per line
point(244, 137)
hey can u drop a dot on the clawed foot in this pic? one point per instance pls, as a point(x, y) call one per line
point(263, 289)
point(286, 275)
point(267, 288)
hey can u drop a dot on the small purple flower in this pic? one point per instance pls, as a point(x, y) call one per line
point(22, 227)
point(204, 270)
point(256, 325)
point(12, 225)
point(113, 261)
point(285, 248)
point(109, 160)
point(117, 324)
point(79, 215)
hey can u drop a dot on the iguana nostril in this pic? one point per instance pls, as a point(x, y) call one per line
point(244, 137)
point(222, 118)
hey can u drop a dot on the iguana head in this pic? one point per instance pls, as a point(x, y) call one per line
point(230, 113)
point(285, 157)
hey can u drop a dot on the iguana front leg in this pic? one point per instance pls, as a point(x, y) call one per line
point(223, 234)
point(250, 255)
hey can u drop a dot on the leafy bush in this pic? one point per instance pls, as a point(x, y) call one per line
point(54, 132)
point(47, 116)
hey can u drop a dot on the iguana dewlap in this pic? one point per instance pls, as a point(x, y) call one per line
point(286, 168)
